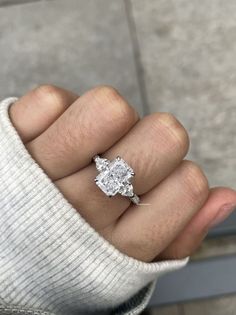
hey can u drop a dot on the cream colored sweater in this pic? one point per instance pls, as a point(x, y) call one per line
point(51, 260)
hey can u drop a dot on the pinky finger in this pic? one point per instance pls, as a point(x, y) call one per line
point(220, 204)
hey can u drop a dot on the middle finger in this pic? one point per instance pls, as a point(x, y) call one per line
point(154, 147)
point(91, 124)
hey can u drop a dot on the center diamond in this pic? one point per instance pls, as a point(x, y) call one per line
point(116, 178)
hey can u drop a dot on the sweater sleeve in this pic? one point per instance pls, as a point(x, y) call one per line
point(51, 259)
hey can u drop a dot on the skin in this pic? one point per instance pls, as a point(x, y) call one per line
point(63, 131)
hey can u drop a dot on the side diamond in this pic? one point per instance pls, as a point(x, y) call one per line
point(101, 164)
point(126, 190)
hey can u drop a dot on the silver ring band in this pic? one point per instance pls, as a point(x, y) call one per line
point(115, 177)
point(135, 199)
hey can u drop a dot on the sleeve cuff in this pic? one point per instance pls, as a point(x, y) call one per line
point(51, 258)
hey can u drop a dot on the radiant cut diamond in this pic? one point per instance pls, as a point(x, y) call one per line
point(115, 178)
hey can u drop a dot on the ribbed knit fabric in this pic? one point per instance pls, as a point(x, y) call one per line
point(51, 260)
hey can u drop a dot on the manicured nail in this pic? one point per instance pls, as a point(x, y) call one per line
point(222, 214)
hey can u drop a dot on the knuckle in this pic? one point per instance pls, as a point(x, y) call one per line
point(195, 179)
point(116, 108)
point(50, 94)
point(177, 130)
point(173, 129)
point(106, 91)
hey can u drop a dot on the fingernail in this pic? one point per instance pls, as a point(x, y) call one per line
point(223, 212)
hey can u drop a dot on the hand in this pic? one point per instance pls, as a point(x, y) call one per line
point(63, 132)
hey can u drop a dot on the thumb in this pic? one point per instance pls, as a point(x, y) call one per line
point(219, 205)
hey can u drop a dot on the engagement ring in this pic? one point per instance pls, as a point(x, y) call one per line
point(114, 177)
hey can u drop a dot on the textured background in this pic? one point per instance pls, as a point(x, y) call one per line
point(188, 57)
point(162, 55)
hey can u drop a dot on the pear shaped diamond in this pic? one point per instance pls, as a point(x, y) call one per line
point(101, 164)
point(127, 190)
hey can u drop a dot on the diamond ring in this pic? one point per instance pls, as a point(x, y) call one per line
point(114, 177)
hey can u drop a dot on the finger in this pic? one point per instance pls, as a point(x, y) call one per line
point(91, 125)
point(170, 207)
point(37, 110)
point(220, 204)
point(153, 148)
point(96, 208)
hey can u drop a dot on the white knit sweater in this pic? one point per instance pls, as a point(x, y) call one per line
point(51, 260)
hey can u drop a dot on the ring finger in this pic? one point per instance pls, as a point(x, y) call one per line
point(153, 148)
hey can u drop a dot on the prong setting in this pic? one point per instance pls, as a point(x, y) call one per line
point(115, 177)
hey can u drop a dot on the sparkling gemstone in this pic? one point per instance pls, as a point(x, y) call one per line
point(101, 164)
point(127, 190)
point(115, 178)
